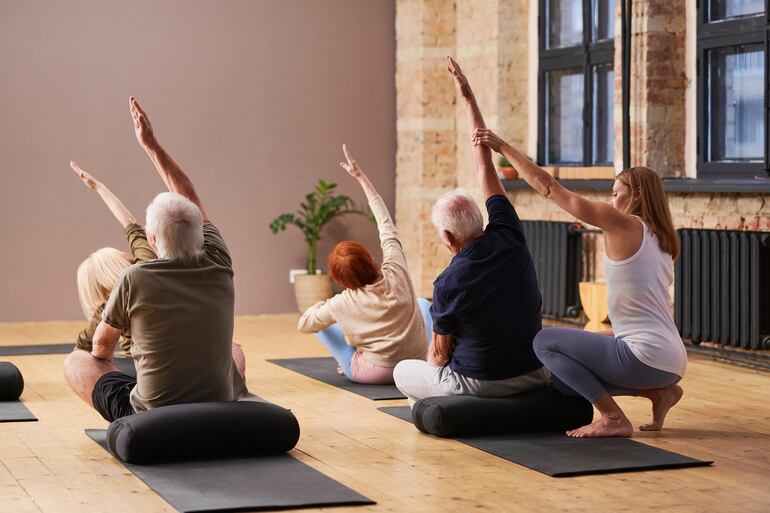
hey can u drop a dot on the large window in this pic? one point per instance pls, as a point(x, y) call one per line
point(732, 137)
point(577, 82)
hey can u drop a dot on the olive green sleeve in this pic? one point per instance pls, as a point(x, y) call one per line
point(137, 239)
point(86, 337)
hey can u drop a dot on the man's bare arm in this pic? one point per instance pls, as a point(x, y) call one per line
point(170, 171)
point(440, 350)
point(105, 339)
point(482, 156)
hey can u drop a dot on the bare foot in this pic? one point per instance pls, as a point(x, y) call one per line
point(663, 400)
point(604, 426)
point(340, 371)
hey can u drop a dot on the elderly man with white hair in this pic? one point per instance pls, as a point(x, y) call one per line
point(179, 309)
point(486, 304)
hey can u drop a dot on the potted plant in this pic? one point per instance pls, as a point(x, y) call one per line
point(507, 169)
point(316, 211)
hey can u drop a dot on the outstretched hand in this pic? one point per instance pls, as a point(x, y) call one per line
point(486, 137)
point(87, 179)
point(142, 126)
point(461, 83)
point(351, 166)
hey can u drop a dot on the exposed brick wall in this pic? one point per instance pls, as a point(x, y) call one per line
point(426, 164)
point(658, 85)
point(489, 39)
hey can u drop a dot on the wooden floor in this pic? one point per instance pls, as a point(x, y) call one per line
point(51, 466)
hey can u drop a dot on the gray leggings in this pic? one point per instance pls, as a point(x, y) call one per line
point(589, 364)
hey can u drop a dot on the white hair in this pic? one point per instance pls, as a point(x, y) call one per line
point(456, 212)
point(177, 225)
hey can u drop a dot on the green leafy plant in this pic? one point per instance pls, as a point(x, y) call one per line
point(316, 211)
point(503, 162)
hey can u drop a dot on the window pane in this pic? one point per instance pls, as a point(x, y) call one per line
point(564, 118)
point(604, 19)
point(565, 23)
point(603, 127)
point(720, 9)
point(736, 99)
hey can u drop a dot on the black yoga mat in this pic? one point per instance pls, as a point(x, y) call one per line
point(15, 411)
point(558, 455)
point(37, 349)
point(125, 365)
point(325, 369)
point(244, 484)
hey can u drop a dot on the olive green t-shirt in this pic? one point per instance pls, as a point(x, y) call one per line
point(180, 313)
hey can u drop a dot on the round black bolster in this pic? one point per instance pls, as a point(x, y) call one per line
point(544, 409)
point(11, 382)
point(203, 431)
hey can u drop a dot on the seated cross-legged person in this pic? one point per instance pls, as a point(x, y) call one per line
point(98, 274)
point(486, 304)
point(377, 321)
point(179, 309)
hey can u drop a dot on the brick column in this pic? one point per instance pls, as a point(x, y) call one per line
point(489, 38)
point(426, 164)
point(658, 84)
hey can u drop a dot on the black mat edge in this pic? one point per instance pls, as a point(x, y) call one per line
point(275, 361)
point(36, 349)
point(31, 417)
point(663, 466)
point(365, 501)
point(597, 472)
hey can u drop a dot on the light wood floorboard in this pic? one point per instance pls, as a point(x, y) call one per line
point(51, 466)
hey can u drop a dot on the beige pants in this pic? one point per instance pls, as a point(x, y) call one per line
point(417, 379)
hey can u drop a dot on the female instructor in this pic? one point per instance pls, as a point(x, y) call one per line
point(645, 355)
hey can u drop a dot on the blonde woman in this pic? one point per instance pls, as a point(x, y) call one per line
point(99, 272)
point(645, 355)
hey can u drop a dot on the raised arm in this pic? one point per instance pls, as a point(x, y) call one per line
point(118, 209)
point(173, 176)
point(391, 245)
point(596, 213)
point(354, 170)
point(482, 157)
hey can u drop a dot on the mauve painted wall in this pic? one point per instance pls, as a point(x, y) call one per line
point(253, 97)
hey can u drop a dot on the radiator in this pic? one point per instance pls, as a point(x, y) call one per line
point(722, 289)
point(556, 249)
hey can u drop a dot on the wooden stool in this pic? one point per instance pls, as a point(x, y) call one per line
point(593, 296)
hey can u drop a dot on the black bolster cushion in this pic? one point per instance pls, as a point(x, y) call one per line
point(543, 409)
point(203, 430)
point(11, 382)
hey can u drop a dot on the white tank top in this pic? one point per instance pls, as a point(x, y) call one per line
point(639, 308)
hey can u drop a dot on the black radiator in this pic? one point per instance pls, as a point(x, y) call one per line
point(722, 289)
point(556, 249)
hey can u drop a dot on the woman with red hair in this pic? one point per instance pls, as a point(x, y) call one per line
point(377, 321)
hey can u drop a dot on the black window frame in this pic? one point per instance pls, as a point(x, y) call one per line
point(726, 33)
point(587, 55)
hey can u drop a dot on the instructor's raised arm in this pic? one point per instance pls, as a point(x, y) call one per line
point(482, 156)
point(173, 176)
point(596, 213)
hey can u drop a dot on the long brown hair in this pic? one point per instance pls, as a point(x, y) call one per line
point(651, 205)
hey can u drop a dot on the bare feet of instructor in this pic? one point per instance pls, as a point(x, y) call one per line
point(663, 399)
point(612, 422)
point(604, 426)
